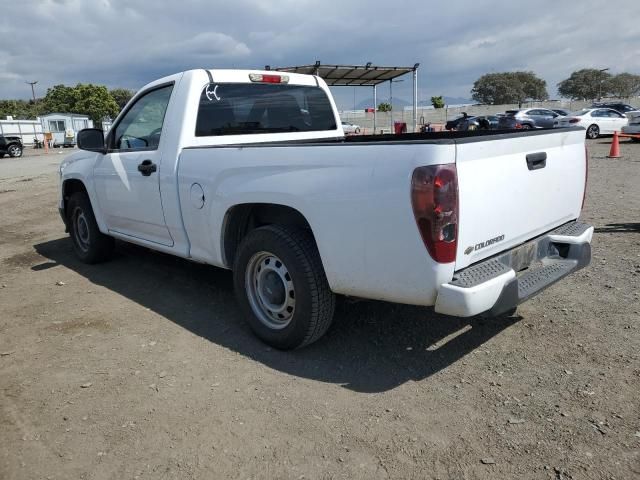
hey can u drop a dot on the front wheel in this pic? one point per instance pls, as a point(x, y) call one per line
point(15, 151)
point(593, 132)
point(526, 126)
point(89, 244)
point(282, 288)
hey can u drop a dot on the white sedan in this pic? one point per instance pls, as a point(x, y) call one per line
point(597, 121)
point(350, 128)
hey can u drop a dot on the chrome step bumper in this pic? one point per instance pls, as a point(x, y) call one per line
point(498, 284)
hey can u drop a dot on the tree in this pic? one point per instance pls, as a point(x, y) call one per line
point(384, 107)
point(59, 98)
point(437, 102)
point(509, 87)
point(585, 84)
point(94, 101)
point(624, 85)
point(21, 109)
point(121, 96)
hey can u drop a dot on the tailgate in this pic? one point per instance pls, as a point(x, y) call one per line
point(514, 188)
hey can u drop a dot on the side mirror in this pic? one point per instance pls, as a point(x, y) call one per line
point(91, 139)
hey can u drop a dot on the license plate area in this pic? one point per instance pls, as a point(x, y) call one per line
point(523, 256)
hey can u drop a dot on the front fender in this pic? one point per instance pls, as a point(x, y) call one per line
point(79, 166)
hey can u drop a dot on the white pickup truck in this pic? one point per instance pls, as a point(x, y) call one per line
point(251, 171)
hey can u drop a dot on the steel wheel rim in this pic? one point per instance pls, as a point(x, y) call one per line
point(270, 290)
point(81, 230)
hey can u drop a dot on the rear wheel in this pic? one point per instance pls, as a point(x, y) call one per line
point(89, 244)
point(593, 131)
point(282, 288)
point(14, 150)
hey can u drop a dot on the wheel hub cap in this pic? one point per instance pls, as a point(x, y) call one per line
point(270, 290)
point(82, 231)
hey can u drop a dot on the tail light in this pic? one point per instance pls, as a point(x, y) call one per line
point(266, 78)
point(586, 175)
point(574, 120)
point(434, 198)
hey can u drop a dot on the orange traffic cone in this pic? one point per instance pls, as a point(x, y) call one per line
point(615, 147)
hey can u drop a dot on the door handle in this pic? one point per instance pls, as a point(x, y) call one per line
point(536, 161)
point(147, 167)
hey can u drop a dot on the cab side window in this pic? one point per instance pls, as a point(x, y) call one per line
point(141, 126)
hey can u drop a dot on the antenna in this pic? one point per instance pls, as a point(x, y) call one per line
point(33, 90)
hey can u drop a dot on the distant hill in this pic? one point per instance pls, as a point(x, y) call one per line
point(400, 103)
point(449, 101)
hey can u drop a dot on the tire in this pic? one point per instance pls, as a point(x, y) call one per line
point(526, 126)
point(89, 244)
point(635, 139)
point(1, 155)
point(278, 266)
point(593, 131)
point(357, 131)
point(14, 150)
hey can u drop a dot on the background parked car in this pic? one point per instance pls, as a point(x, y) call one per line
point(529, 118)
point(486, 122)
point(597, 121)
point(623, 108)
point(634, 126)
point(350, 128)
point(453, 124)
point(508, 122)
point(11, 146)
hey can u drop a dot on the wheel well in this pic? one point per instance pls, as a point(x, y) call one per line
point(69, 187)
point(241, 219)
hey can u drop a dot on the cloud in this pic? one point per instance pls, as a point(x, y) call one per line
point(131, 42)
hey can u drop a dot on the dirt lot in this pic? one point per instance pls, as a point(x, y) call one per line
point(142, 367)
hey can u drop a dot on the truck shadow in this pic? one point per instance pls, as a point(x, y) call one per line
point(372, 346)
point(619, 228)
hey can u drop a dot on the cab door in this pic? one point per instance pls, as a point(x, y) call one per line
point(127, 177)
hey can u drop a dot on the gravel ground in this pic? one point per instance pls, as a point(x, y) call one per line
point(143, 368)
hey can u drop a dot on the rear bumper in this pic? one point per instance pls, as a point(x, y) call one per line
point(500, 283)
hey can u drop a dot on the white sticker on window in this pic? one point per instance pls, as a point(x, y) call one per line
point(212, 93)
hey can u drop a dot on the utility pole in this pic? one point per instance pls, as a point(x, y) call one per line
point(391, 82)
point(602, 70)
point(33, 90)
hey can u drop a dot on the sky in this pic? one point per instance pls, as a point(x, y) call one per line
point(128, 43)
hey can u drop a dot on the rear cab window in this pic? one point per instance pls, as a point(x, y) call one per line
point(244, 109)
